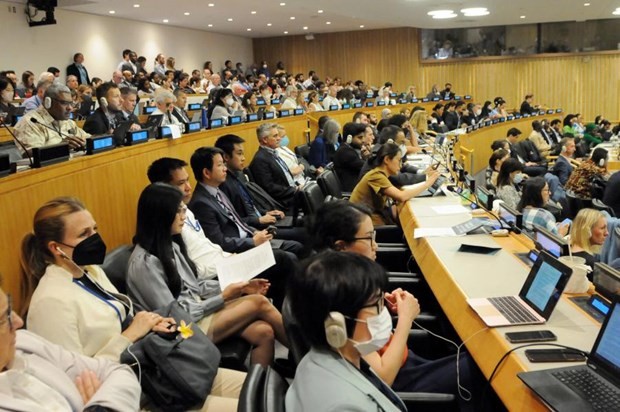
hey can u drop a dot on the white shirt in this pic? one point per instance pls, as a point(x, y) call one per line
point(291, 161)
point(330, 101)
point(289, 103)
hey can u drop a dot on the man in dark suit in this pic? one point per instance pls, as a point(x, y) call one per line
point(563, 165)
point(178, 110)
point(525, 154)
point(269, 171)
point(108, 115)
point(78, 70)
point(129, 99)
point(348, 158)
point(526, 106)
point(447, 93)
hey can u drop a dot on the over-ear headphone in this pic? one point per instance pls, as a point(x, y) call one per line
point(601, 162)
point(47, 103)
point(103, 102)
point(563, 149)
point(336, 330)
point(349, 139)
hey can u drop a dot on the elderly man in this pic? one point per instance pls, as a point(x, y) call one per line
point(291, 98)
point(330, 99)
point(35, 101)
point(50, 124)
point(269, 170)
point(117, 77)
point(216, 84)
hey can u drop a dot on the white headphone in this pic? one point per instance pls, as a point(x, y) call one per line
point(349, 139)
point(47, 103)
point(103, 102)
point(336, 330)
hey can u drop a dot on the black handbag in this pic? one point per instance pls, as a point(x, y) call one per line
point(176, 374)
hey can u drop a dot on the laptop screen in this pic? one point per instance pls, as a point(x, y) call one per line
point(548, 244)
point(545, 283)
point(606, 350)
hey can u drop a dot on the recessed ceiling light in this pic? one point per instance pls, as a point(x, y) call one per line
point(442, 14)
point(268, 24)
point(136, 5)
point(328, 22)
point(285, 32)
point(361, 26)
point(165, 20)
point(305, 27)
point(292, 17)
point(249, 29)
point(111, 12)
point(186, 13)
point(320, 11)
point(230, 19)
point(586, 4)
point(616, 12)
point(209, 25)
point(282, 4)
point(253, 12)
point(210, 4)
point(521, 17)
point(475, 11)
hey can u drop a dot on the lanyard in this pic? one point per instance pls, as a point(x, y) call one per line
point(106, 301)
point(194, 225)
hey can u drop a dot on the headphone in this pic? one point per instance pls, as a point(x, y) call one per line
point(103, 102)
point(349, 139)
point(47, 103)
point(601, 162)
point(335, 330)
point(563, 149)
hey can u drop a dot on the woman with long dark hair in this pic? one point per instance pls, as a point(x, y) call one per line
point(534, 197)
point(509, 178)
point(160, 272)
point(220, 107)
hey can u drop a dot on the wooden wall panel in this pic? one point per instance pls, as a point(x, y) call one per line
point(589, 84)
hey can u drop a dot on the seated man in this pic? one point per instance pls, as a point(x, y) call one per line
point(563, 166)
point(108, 115)
point(129, 99)
point(50, 124)
point(269, 171)
point(35, 101)
point(178, 110)
point(38, 375)
point(348, 160)
point(526, 106)
point(447, 93)
point(164, 100)
point(531, 168)
point(330, 99)
point(291, 98)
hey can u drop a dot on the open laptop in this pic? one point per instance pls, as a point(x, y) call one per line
point(594, 386)
point(536, 300)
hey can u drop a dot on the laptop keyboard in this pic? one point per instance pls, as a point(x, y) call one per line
point(600, 394)
point(512, 310)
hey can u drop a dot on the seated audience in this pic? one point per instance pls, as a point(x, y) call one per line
point(587, 234)
point(450, 117)
point(447, 93)
point(499, 111)
point(145, 89)
point(164, 100)
point(129, 100)
point(580, 181)
point(290, 102)
point(330, 99)
point(160, 272)
point(509, 178)
point(26, 88)
point(532, 163)
point(108, 115)
point(534, 196)
point(434, 93)
point(377, 192)
point(313, 102)
point(36, 375)
point(178, 110)
point(563, 166)
point(248, 102)
point(221, 105)
point(591, 136)
point(7, 94)
point(411, 141)
point(349, 157)
point(289, 157)
point(322, 147)
point(536, 137)
point(36, 100)
point(498, 157)
point(72, 82)
point(51, 124)
point(612, 193)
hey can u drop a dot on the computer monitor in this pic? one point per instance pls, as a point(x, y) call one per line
point(510, 216)
point(485, 198)
point(550, 242)
point(606, 280)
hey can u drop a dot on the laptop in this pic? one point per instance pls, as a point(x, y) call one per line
point(536, 300)
point(594, 386)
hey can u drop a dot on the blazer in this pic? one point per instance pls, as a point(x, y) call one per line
point(244, 208)
point(317, 156)
point(326, 382)
point(98, 123)
point(179, 113)
point(57, 368)
point(72, 69)
point(562, 169)
point(268, 174)
point(216, 223)
point(348, 164)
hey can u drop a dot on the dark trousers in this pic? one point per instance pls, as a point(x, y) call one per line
point(278, 275)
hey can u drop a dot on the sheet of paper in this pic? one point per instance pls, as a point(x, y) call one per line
point(433, 232)
point(450, 210)
point(175, 130)
point(244, 266)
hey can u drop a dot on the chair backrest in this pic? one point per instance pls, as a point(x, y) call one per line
point(297, 344)
point(303, 151)
point(274, 392)
point(115, 266)
point(599, 205)
point(330, 184)
point(251, 397)
point(313, 197)
point(575, 204)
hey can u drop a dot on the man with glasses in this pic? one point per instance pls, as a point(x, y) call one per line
point(38, 375)
point(49, 124)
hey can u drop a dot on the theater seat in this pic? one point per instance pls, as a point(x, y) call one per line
point(312, 197)
point(250, 399)
point(274, 391)
point(303, 151)
point(330, 185)
point(234, 350)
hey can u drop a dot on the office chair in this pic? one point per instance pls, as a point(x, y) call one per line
point(599, 205)
point(312, 197)
point(250, 398)
point(575, 204)
point(303, 151)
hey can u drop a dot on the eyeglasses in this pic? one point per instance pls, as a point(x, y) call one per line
point(372, 237)
point(63, 102)
point(9, 313)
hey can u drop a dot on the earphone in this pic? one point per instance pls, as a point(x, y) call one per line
point(63, 254)
point(563, 149)
point(335, 330)
point(47, 103)
point(349, 139)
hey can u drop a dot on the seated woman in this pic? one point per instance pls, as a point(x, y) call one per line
point(580, 180)
point(587, 234)
point(75, 305)
point(145, 90)
point(509, 178)
point(36, 375)
point(377, 192)
point(313, 102)
point(499, 111)
point(498, 157)
point(248, 102)
point(534, 197)
point(333, 375)
point(160, 271)
point(223, 103)
point(347, 227)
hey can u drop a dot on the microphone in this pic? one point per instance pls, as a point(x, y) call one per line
point(19, 142)
point(440, 163)
point(63, 135)
point(475, 202)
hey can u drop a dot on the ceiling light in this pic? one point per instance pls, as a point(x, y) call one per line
point(292, 17)
point(210, 4)
point(268, 24)
point(165, 20)
point(249, 29)
point(361, 26)
point(136, 5)
point(439, 12)
point(186, 13)
point(209, 25)
point(475, 11)
point(282, 4)
point(111, 12)
point(320, 11)
point(328, 22)
point(586, 4)
point(521, 17)
point(230, 19)
point(445, 16)
point(616, 12)
point(253, 12)
point(285, 32)
point(305, 27)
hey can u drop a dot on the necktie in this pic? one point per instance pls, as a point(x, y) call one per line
point(232, 213)
point(247, 198)
point(284, 167)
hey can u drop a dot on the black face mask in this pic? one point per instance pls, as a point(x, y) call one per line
point(90, 251)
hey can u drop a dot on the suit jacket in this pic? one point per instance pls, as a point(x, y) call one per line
point(451, 120)
point(348, 164)
point(179, 113)
point(72, 69)
point(562, 169)
point(268, 174)
point(326, 382)
point(216, 223)
point(98, 123)
point(244, 208)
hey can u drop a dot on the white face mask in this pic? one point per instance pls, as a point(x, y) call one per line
point(518, 178)
point(229, 101)
point(380, 328)
point(7, 96)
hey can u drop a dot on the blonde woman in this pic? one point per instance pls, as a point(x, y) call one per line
point(588, 233)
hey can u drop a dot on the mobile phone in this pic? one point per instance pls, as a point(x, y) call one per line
point(554, 355)
point(531, 336)
point(271, 230)
point(566, 221)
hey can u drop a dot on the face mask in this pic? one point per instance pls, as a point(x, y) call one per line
point(90, 251)
point(380, 328)
point(518, 178)
point(284, 141)
point(229, 101)
point(7, 96)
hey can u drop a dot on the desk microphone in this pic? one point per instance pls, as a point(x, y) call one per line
point(63, 135)
point(19, 142)
point(475, 202)
point(440, 163)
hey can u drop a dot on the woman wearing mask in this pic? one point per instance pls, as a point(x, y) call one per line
point(264, 69)
point(75, 305)
point(587, 234)
point(248, 102)
point(289, 157)
point(223, 103)
point(160, 272)
point(534, 197)
point(508, 180)
point(375, 190)
point(498, 157)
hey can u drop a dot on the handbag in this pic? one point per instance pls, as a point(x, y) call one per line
point(175, 373)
